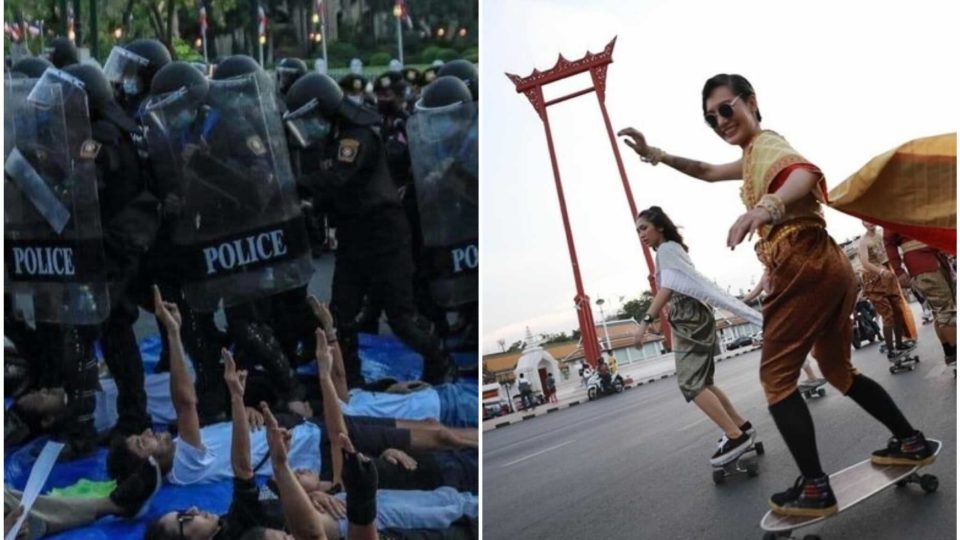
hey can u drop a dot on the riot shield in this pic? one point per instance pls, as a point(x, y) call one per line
point(239, 232)
point(122, 64)
point(443, 154)
point(53, 241)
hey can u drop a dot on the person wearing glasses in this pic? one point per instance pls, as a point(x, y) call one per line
point(813, 288)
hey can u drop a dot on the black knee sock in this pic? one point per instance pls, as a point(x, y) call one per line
point(876, 401)
point(796, 427)
point(888, 337)
point(898, 335)
point(948, 349)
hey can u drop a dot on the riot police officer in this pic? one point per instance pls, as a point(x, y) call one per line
point(63, 52)
point(288, 71)
point(130, 217)
point(31, 67)
point(132, 67)
point(466, 72)
point(349, 170)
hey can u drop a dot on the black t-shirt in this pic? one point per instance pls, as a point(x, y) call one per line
point(247, 512)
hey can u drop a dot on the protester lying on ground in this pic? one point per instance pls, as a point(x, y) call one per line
point(53, 514)
point(199, 455)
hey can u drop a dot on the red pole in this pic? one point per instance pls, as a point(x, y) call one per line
point(588, 333)
point(633, 214)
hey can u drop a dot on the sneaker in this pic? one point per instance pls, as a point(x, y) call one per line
point(912, 451)
point(747, 428)
point(951, 361)
point(133, 495)
point(730, 449)
point(907, 345)
point(807, 498)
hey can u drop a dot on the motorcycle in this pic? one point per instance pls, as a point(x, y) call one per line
point(865, 327)
point(596, 388)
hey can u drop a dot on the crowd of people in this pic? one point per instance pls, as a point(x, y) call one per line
point(151, 184)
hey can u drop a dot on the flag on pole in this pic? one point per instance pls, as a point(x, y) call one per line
point(261, 21)
point(35, 28)
point(71, 30)
point(203, 19)
point(405, 13)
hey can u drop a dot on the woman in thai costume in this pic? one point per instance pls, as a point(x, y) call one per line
point(881, 289)
point(691, 319)
point(813, 289)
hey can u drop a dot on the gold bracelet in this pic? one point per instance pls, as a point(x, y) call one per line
point(773, 204)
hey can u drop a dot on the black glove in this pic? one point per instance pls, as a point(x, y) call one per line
point(360, 481)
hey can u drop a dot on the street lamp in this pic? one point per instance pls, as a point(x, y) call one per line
point(118, 33)
point(318, 37)
point(397, 11)
point(600, 302)
point(315, 19)
point(441, 32)
point(198, 43)
point(263, 39)
point(462, 32)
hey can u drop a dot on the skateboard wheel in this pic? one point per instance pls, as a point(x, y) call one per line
point(892, 370)
point(822, 392)
point(770, 536)
point(929, 483)
point(759, 448)
point(719, 476)
point(901, 483)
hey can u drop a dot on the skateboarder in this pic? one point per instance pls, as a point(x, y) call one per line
point(813, 286)
point(880, 288)
point(931, 275)
point(694, 329)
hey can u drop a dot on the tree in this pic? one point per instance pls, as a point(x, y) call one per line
point(637, 307)
point(503, 344)
point(516, 346)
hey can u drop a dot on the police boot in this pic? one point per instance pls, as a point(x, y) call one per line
point(77, 432)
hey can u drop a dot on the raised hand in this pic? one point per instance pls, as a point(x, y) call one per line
point(167, 312)
point(278, 438)
point(321, 312)
point(254, 418)
point(635, 140)
point(236, 379)
point(324, 359)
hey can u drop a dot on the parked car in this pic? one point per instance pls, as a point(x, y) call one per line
point(758, 339)
point(742, 341)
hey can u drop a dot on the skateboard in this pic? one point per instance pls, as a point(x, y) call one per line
point(853, 485)
point(812, 389)
point(903, 361)
point(743, 464)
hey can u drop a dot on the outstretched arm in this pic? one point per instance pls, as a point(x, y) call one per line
point(240, 439)
point(332, 416)
point(700, 170)
point(338, 373)
point(302, 518)
point(182, 393)
point(799, 184)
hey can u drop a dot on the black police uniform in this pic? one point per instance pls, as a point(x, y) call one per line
point(374, 247)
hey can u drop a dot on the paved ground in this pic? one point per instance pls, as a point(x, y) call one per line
point(635, 465)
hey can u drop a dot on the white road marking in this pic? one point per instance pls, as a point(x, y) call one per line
point(535, 454)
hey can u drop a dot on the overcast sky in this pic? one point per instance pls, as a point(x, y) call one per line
point(842, 81)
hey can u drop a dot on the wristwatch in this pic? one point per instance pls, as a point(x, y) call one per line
point(648, 318)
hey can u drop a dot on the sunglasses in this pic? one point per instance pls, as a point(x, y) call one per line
point(725, 110)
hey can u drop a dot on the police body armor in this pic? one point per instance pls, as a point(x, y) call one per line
point(239, 230)
point(444, 158)
point(53, 240)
